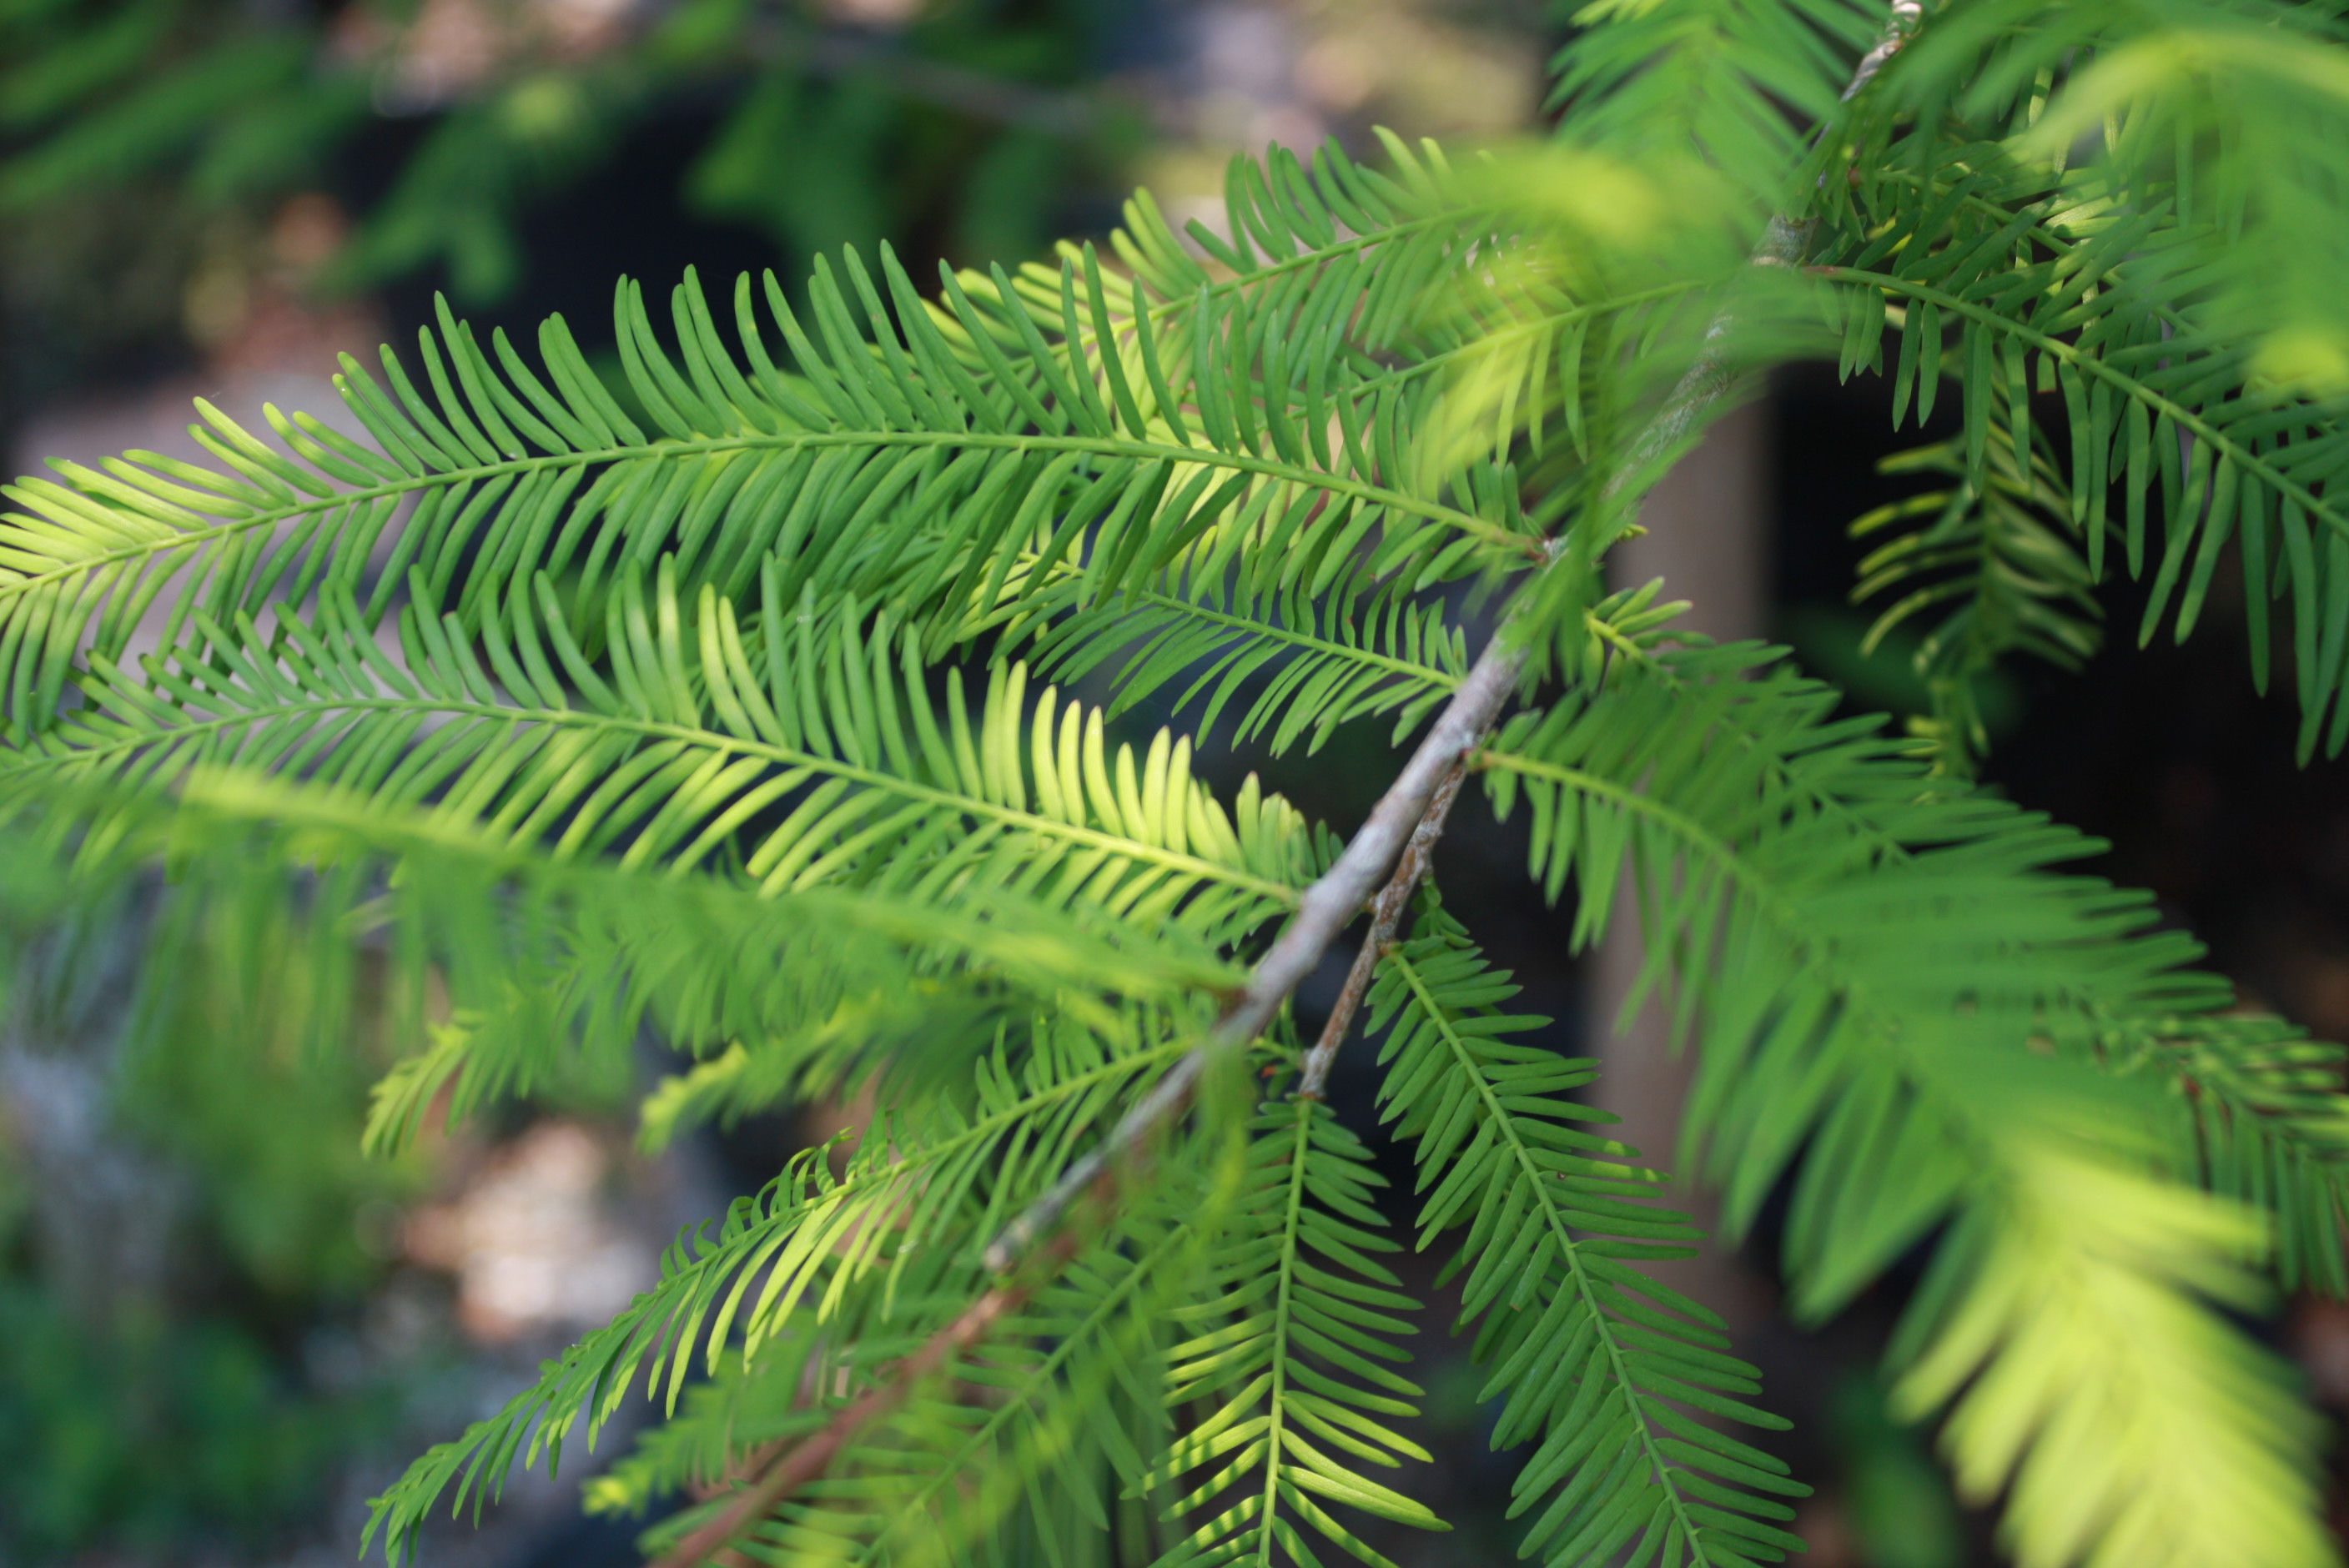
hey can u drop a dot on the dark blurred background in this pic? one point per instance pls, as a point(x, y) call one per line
point(221, 1329)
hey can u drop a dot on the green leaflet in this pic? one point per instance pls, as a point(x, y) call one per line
point(930, 459)
point(2260, 1119)
point(1289, 1348)
point(2254, 1107)
point(1598, 1365)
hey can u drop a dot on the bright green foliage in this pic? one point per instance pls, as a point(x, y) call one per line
point(1593, 1359)
point(1855, 954)
point(843, 1253)
point(1293, 1350)
point(729, 723)
point(2226, 120)
point(1712, 75)
point(2019, 285)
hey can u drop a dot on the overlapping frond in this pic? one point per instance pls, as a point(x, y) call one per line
point(1994, 561)
point(1508, 300)
point(792, 751)
point(1995, 274)
point(877, 466)
point(2259, 1107)
point(1866, 965)
point(1018, 1478)
point(1288, 1350)
point(2263, 1122)
point(1014, 1451)
point(2231, 115)
point(1076, 1406)
point(951, 1475)
point(1615, 1378)
point(553, 967)
point(874, 1258)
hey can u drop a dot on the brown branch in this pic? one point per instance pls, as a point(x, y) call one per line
point(1386, 918)
point(802, 1462)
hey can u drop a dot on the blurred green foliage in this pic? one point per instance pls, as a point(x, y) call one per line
point(821, 134)
point(156, 1428)
point(200, 1380)
point(1900, 1500)
point(145, 145)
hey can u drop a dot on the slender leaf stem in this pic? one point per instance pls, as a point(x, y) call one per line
point(1386, 918)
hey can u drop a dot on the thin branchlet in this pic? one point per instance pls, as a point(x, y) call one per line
point(1327, 908)
point(1386, 919)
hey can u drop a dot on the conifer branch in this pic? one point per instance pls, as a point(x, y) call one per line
point(1898, 28)
point(695, 654)
point(1327, 908)
point(1393, 844)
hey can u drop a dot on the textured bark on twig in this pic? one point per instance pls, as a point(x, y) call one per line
point(1386, 918)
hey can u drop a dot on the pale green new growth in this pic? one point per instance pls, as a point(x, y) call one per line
point(739, 726)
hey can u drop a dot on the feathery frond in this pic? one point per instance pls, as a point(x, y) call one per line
point(793, 754)
point(1612, 1374)
point(1879, 1008)
point(2230, 118)
point(859, 1257)
point(2046, 293)
point(1292, 1357)
point(553, 966)
point(878, 468)
point(1713, 80)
